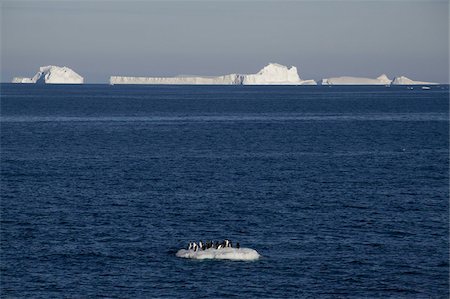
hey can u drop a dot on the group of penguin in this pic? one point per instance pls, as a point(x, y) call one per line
point(210, 244)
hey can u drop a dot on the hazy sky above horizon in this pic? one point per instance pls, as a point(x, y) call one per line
point(165, 38)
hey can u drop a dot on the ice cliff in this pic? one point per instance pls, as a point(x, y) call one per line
point(273, 73)
point(232, 79)
point(52, 75)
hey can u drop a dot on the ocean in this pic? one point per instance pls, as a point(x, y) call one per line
point(344, 191)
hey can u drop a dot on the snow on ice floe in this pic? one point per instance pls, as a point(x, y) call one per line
point(271, 74)
point(228, 253)
point(52, 75)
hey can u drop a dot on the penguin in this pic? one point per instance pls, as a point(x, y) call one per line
point(200, 245)
point(231, 245)
point(226, 243)
point(220, 246)
point(195, 246)
point(216, 244)
point(190, 246)
point(237, 245)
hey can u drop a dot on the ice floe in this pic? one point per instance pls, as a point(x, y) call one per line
point(228, 253)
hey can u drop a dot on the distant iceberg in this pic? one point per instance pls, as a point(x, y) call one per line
point(278, 74)
point(402, 80)
point(381, 80)
point(272, 74)
point(232, 79)
point(52, 75)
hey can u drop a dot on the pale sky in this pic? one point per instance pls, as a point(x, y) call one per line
point(166, 38)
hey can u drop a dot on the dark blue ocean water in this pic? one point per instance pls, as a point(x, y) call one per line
point(343, 191)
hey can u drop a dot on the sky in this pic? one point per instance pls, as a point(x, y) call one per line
point(322, 39)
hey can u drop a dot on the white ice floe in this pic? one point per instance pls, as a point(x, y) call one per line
point(402, 80)
point(381, 80)
point(228, 253)
point(52, 75)
point(272, 74)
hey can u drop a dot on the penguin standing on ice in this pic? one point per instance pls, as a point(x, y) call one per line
point(237, 245)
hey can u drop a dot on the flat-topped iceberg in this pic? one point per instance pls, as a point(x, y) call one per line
point(272, 74)
point(232, 79)
point(402, 80)
point(52, 75)
point(381, 80)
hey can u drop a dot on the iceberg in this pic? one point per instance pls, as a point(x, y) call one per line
point(402, 80)
point(272, 74)
point(22, 80)
point(278, 74)
point(228, 253)
point(52, 75)
point(381, 80)
point(232, 79)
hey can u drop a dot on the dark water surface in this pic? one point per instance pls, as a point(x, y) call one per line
point(344, 191)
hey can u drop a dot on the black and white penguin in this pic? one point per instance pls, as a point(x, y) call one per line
point(190, 246)
point(237, 245)
point(195, 246)
point(226, 243)
point(200, 245)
